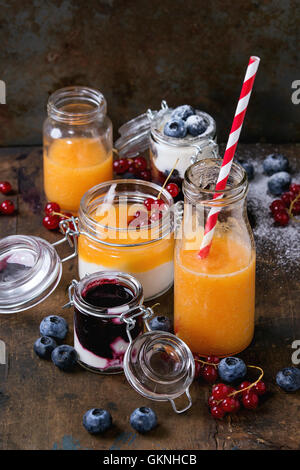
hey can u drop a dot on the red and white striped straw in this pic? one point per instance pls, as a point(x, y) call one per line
point(229, 153)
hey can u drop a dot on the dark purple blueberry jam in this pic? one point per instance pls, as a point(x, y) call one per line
point(101, 336)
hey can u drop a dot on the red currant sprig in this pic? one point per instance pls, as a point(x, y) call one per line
point(287, 207)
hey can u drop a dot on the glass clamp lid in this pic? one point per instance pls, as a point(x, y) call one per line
point(160, 366)
point(30, 270)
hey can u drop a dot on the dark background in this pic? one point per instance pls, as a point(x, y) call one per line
point(138, 52)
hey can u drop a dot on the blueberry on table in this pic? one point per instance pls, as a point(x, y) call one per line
point(248, 167)
point(54, 326)
point(274, 163)
point(143, 419)
point(231, 369)
point(196, 125)
point(96, 420)
point(64, 357)
point(175, 128)
point(44, 346)
point(289, 379)
point(279, 182)
point(160, 323)
point(182, 112)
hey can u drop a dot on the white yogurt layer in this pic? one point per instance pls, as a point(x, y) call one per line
point(154, 281)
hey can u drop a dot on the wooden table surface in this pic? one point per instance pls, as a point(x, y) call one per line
point(42, 407)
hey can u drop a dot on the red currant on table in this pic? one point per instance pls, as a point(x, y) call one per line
point(51, 207)
point(145, 175)
point(282, 218)
point(287, 198)
point(217, 412)
point(244, 385)
point(250, 400)
point(120, 166)
point(173, 189)
point(209, 374)
point(7, 207)
point(140, 164)
point(295, 188)
point(260, 388)
point(51, 222)
point(5, 187)
point(213, 359)
point(198, 369)
point(212, 402)
point(229, 405)
point(296, 208)
point(220, 391)
point(277, 205)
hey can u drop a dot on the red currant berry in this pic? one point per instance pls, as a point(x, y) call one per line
point(51, 207)
point(198, 369)
point(7, 207)
point(295, 188)
point(229, 405)
point(237, 405)
point(250, 400)
point(277, 205)
point(156, 216)
point(220, 391)
point(67, 215)
point(140, 164)
point(212, 402)
point(244, 385)
point(296, 208)
point(287, 198)
point(148, 203)
point(217, 412)
point(260, 388)
point(209, 374)
point(120, 166)
point(281, 218)
point(230, 390)
point(213, 359)
point(51, 222)
point(5, 187)
point(173, 189)
point(145, 175)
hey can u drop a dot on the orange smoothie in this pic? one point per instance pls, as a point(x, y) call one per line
point(215, 297)
point(72, 166)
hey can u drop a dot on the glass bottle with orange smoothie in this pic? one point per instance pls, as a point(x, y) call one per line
point(215, 296)
point(77, 145)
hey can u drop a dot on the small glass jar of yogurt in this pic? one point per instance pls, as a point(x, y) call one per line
point(100, 336)
point(111, 237)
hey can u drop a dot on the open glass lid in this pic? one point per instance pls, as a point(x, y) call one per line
point(160, 366)
point(30, 270)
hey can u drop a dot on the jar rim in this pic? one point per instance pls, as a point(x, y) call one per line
point(92, 98)
point(102, 312)
point(229, 195)
point(164, 226)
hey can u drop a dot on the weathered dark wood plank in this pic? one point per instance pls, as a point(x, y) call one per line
point(42, 408)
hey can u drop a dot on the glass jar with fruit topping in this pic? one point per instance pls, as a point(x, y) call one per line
point(100, 337)
point(173, 139)
point(128, 226)
point(214, 296)
point(77, 145)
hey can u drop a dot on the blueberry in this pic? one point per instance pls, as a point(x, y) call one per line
point(248, 167)
point(231, 369)
point(64, 357)
point(175, 128)
point(54, 326)
point(289, 379)
point(160, 323)
point(143, 419)
point(196, 125)
point(274, 163)
point(44, 346)
point(182, 112)
point(97, 421)
point(279, 182)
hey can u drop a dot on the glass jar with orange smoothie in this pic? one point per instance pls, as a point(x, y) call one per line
point(77, 145)
point(215, 296)
point(119, 231)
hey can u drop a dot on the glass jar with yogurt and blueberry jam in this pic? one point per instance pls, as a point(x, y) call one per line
point(173, 139)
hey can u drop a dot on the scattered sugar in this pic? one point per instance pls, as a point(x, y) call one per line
point(281, 244)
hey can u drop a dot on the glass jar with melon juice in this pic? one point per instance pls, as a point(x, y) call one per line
point(215, 297)
point(117, 232)
point(77, 145)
